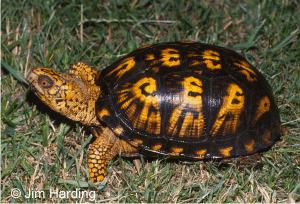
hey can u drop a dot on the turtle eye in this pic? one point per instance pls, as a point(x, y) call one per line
point(45, 81)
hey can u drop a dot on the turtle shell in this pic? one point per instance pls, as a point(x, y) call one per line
point(188, 99)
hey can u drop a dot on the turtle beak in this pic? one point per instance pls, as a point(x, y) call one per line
point(30, 77)
point(32, 81)
point(26, 81)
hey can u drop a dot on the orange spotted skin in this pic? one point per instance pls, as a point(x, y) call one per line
point(183, 99)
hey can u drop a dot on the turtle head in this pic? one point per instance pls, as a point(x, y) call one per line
point(67, 94)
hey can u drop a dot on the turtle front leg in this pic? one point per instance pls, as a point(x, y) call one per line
point(104, 149)
point(84, 72)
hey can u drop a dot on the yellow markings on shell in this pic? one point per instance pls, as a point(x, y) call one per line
point(187, 122)
point(196, 62)
point(170, 57)
point(187, 41)
point(127, 103)
point(145, 46)
point(264, 106)
point(175, 151)
point(123, 93)
point(148, 102)
point(266, 136)
point(118, 130)
point(192, 125)
point(199, 157)
point(150, 122)
point(155, 69)
point(233, 104)
point(122, 68)
point(249, 78)
point(131, 110)
point(150, 88)
point(226, 151)
point(249, 146)
point(137, 141)
point(198, 71)
point(200, 153)
point(103, 112)
point(157, 146)
point(150, 57)
point(247, 70)
point(209, 57)
point(134, 144)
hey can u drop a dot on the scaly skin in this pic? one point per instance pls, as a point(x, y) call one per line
point(104, 149)
point(74, 96)
point(68, 95)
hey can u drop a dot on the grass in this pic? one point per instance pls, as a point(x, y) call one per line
point(41, 150)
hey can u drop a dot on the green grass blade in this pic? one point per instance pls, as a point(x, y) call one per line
point(285, 42)
point(15, 73)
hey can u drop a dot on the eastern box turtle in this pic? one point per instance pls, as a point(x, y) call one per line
point(183, 99)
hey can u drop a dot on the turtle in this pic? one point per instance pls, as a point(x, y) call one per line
point(183, 99)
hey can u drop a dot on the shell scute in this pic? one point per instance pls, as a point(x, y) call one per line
point(189, 99)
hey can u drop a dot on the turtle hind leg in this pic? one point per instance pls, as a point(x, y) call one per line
point(104, 149)
point(247, 161)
